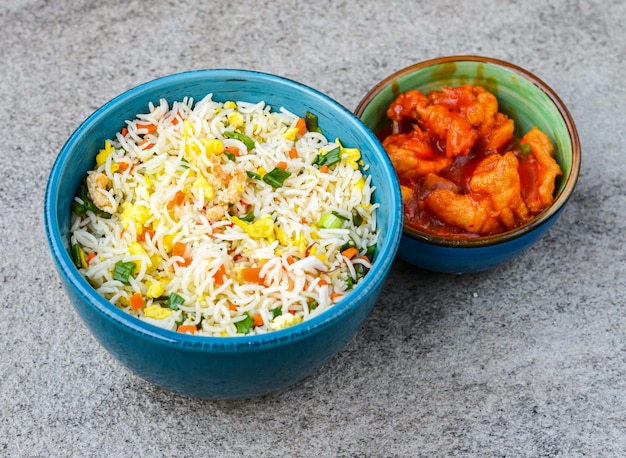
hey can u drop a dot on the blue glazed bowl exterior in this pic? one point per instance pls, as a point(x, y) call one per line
point(211, 367)
point(524, 98)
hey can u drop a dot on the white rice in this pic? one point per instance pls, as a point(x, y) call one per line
point(300, 263)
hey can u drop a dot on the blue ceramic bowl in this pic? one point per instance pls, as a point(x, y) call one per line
point(524, 98)
point(212, 367)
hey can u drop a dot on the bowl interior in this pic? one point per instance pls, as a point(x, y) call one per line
point(78, 155)
point(521, 96)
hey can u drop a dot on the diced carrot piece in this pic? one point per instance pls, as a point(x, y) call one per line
point(178, 199)
point(293, 153)
point(335, 296)
point(151, 128)
point(187, 328)
point(252, 275)
point(179, 249)
point(124, 131)
point(90, 256)
point(324, 168)
point(301, 125)
point(350, 252)
point(136, 301)
point(258, 319)
point(281, 165)
point(147, 234)
point(232, 150)
point(232, 307)
point(219, 275)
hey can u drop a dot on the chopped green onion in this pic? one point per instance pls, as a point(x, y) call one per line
point(311, 122)
point(244, 326)
point(230, 156)
point(249, 217)
point(370, 252)
point(253, 175)
point(357, 219)
point(241, 137)
point(175, 301)
point(339, 215)
point(278, 311)
point(330, 221)
point(123, 270)
point(349, 244)
point(313, 305)
point(184, 163)
point(78, 256)
point(330, 158)
point(87, 205)
point(276, 177)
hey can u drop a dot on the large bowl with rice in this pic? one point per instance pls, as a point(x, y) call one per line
point(223, 233)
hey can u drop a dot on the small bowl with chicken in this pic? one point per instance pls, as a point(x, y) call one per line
point(486, 155)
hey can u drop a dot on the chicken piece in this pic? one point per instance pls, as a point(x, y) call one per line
point(500, 133)
point(547, 169)
point(467, 212)
point(97, 184)
point(405, 105)
point(216, 212)
point(496, 178)
point(413, 157)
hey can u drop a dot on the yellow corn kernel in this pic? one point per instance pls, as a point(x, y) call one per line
point(115, 167)
point(230, 104)
point(261, 171)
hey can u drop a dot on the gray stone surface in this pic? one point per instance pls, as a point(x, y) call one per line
point(525, 360)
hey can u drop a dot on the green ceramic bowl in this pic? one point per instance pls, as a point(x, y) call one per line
point(524, 98)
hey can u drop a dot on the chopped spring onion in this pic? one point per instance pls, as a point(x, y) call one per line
point(242, 138)
point(330, 221)
point(174, 301)
point(330, 158)
point(276, 177)
point(78, 256)
point(244, 326)
point(123, 270)
point(248, 217)
point(357, 219)
point(230, 156)
point(278, 311)
point(311, 121)
point(87, 205)
point(253, 175)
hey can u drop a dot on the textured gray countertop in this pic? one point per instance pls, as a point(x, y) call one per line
point(525, 360)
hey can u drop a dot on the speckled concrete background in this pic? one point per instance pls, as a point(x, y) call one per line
point(525, 360)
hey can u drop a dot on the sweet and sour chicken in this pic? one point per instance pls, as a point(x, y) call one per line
point(460, 167)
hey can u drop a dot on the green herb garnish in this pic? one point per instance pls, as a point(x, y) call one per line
point(330, 221)
point(253, 175)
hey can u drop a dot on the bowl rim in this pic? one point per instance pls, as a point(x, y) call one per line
point(71, 276)
point(556, 205)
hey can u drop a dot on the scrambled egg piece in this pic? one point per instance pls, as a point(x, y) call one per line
point(136, 248)
point(157, 312)
point(285, 321)
point(235, 119)
point(352, 156)
point(203, 184)
point(291, 134)
point(134, 214)
point(262, 228)
point(104, 153)
point(155, 290)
